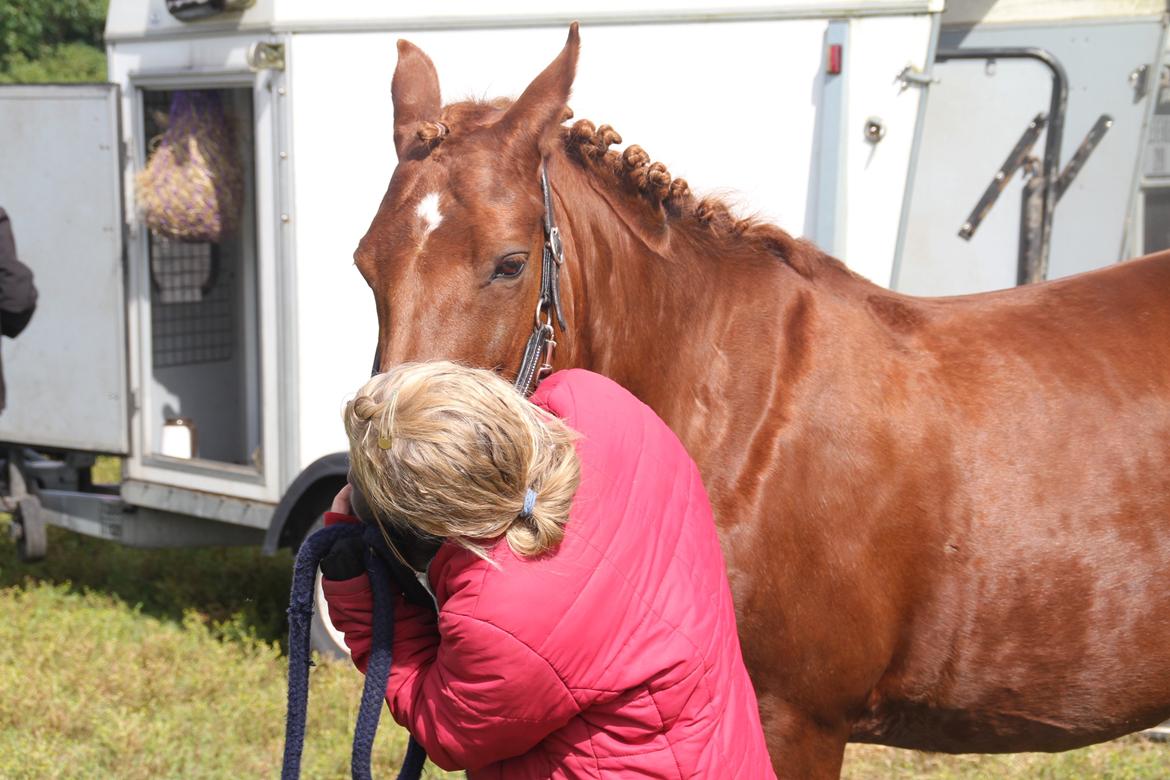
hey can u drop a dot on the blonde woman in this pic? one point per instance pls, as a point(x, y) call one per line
point(584, 623)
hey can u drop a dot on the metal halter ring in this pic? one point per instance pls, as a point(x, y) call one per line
point(542, 307)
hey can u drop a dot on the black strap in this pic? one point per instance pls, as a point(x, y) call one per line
point(530, 364)
point(553, 255)
point(541, 342)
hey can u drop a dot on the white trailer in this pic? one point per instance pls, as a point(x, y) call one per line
point(815, 113)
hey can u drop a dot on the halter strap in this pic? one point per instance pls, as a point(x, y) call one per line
point(541, 343)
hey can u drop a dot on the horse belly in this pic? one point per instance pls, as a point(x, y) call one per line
point(1042, 632)
point(920, 727)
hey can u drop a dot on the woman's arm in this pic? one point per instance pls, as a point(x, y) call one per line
point(351, 610)
point(18, 295)
point(476, 696)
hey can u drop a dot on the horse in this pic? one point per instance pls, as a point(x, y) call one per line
point(944, 520)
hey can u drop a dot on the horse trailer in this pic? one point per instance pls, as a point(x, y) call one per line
point(216, 369)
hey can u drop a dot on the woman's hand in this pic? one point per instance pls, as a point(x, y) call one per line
point(341, 504)
point(346, 559)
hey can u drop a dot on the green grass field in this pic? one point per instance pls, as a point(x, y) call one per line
point(120, 663)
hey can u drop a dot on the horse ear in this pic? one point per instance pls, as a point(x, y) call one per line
point(415, 91)
point(540, 109)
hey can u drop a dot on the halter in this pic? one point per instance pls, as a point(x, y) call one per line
point(541, 343)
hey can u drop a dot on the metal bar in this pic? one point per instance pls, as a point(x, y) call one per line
point(1057, 107)
point(194, 503)
point(109, 517)
point(1015, 159)
point(1031, 224)
point(1098, 131)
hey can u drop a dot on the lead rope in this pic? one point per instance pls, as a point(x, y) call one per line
point(300, 617)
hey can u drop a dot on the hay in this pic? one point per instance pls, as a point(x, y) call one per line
point(191, 188)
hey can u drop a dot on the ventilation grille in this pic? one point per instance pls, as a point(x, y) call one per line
point(192, 303)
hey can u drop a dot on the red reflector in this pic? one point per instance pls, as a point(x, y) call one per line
point(833, 66)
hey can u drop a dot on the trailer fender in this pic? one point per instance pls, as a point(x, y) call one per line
point(309, 495)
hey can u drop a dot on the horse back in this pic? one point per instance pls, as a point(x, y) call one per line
point(1097, 337)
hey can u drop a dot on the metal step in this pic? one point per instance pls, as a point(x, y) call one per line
point(1159, 733)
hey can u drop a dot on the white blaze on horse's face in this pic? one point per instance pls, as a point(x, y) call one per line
point(428, 212)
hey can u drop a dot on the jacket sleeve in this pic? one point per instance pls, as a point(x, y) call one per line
point(475, 696)
point(351, 611)
point(478, 695)
point(18, 295)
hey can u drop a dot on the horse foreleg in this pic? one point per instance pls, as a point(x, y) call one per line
point(800, 746)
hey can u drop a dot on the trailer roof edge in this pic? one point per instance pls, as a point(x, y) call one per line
point(133, 20)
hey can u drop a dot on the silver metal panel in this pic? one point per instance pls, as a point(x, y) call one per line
point(60, 183)
point(209, 506)
point(976, 114)
point(969, 12)
point(107, 517)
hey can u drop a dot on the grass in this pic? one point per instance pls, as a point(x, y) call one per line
point(107, 470)
point(1129, 758)
point(120, 663)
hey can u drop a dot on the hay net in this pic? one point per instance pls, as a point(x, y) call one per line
point(191, 188)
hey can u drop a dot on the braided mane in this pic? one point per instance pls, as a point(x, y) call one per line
point(633, 171)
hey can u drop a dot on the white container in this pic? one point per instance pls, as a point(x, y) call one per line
point(180, 438)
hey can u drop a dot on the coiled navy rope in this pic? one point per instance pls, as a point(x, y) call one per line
point(300, 617)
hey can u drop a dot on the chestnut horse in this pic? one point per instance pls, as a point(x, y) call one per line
point(946, 521)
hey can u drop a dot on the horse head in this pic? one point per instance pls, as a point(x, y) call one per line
point(453, 255)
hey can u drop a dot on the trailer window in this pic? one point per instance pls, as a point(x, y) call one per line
point(204, 357)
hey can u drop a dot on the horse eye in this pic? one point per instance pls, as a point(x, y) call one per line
point(510, 267)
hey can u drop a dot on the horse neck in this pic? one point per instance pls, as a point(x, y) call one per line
point(657, 309)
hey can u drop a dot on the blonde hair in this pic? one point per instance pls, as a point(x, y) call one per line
point(452, 452)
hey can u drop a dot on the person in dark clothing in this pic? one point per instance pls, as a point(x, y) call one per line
point(18, 296)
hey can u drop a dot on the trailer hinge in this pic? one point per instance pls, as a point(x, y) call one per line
point(266, 56)
point(912, 76)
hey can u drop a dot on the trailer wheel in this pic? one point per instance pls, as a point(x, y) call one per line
point(323, 637)
point(28, 530)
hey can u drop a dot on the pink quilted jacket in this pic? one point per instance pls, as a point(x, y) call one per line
point(615, 657)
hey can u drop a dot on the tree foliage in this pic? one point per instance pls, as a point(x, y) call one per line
point(52, 40)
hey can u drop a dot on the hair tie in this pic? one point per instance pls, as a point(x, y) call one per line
point(529, 503)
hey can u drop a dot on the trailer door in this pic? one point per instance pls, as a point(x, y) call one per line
point(980, 110)
point(60, 172)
